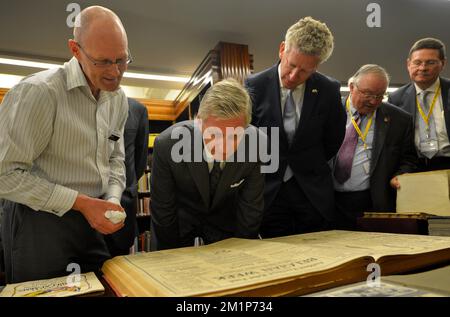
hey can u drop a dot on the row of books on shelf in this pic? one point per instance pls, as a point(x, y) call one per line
point(141, 243)
point(143, 206)
point(144, 183)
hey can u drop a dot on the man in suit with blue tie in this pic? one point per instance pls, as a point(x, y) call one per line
point(427, 99)
point(378, 146)
point(205, 185)
point(135, 138)
point(306, 108)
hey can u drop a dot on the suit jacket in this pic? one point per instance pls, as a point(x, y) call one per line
point(136, 151)
point(180, 204)
point(318, 137)
point(393, 153)
point(405, 98)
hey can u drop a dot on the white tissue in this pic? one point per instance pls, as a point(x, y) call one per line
point(115, 216)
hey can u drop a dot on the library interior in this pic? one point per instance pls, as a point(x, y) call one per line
point(252, 148)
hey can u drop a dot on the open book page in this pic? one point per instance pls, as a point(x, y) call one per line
point(374, 244)
point(426, 192)
point(225, 265)
point(56, 287)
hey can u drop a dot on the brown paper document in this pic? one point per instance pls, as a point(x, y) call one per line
point(426, 192)
point(72, 285)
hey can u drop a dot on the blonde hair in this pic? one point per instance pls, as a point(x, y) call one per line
point(226, 100)
point(311, 37)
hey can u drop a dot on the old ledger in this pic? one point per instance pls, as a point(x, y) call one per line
point(72, 285)
point(427, 192)
point(292, 265)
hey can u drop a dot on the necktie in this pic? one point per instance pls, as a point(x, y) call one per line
point(427, 133)
point(343, 168)
point(214, 177)
point(290, 117)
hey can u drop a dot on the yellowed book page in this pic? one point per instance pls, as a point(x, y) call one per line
point(426, 192)
point(56, 287)
point(374, 244)
point(226, 265)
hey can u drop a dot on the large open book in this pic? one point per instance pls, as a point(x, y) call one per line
point(292, 265)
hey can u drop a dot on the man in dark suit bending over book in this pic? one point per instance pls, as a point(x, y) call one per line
point(61, 155)
point(205, 185)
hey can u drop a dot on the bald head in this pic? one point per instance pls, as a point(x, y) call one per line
point(100, 45)
point(97, 21)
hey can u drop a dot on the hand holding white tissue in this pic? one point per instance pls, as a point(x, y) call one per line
point(115, 216)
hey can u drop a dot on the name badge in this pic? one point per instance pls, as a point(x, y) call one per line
point(428, 146)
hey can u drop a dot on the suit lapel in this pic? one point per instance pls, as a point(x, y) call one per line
point(224, 182)
point(273, 110)
point(445, 92)
point(410, 101)
point(199, 170)
point(382, 123)
point(309, 101)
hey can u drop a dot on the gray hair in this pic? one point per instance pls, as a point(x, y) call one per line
point(311, 37)
point(226, 100)
point(369, 69)
point(430, 43)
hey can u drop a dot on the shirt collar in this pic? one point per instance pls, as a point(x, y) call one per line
point(75, 77)
point(432, 88)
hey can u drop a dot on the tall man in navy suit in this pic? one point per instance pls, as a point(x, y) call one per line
point(427, 98)
point(306, 108)
point(136, 150)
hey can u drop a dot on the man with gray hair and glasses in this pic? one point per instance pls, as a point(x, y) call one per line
point(306, 108)
point(427, 99)
point(62, 155)
point(378, 146)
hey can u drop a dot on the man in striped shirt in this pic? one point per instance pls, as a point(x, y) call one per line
point(62, 155)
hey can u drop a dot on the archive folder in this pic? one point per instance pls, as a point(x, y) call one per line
point(285, 266)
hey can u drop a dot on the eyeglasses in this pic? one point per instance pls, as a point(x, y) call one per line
point(428, 63)
point(371, 96)
point(106, 62)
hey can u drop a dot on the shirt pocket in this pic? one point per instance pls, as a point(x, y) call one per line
point(113, 139)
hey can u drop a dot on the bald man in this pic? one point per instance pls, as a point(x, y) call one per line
point(62, 155)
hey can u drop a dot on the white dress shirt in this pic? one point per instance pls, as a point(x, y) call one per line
point(57, 140)
point(438, 116)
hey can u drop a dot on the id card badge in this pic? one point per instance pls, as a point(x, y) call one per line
point(366, 167)
point(428, 146)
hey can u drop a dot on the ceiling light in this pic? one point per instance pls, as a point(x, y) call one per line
point(24, 63)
